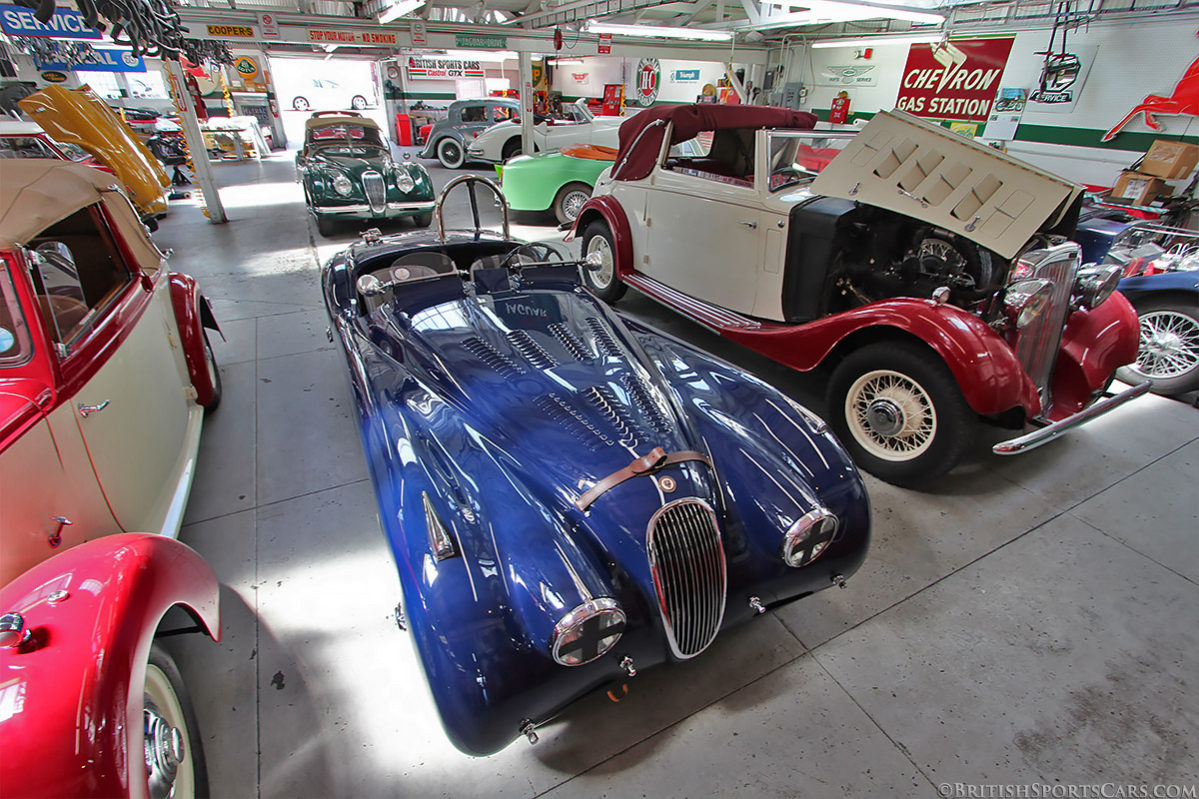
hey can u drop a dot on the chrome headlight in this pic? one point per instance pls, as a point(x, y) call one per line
point(404, 181)
point(807, 539)
point(1026, 299)
point(587, 632)
point(1094, 284)
point(342, 185)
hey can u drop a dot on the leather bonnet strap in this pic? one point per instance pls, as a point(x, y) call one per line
point(657, 459)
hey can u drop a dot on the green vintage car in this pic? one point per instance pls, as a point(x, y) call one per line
point(348, 173)
point(560, 182)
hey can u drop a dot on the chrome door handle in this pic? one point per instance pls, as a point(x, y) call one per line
point(86, 410)
point(750, 225)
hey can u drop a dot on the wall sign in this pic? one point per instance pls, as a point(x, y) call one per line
point(65, 24)
point(852, 75)
point(685, 76)
point(99, 60)
point(231, 31)
point(957, 82)
point(349, 37)
point(425, 68)
point(420, 34)
point(54, 76)
point(483, 42)
point(649, 76)
point(269, 25)
point(605, 44)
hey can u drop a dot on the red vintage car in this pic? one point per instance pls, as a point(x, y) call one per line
point(931, 275)
point(105, 375)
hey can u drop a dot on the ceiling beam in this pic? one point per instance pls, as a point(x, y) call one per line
point(700, 8)
point(582, 10)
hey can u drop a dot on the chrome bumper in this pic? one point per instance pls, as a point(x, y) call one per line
point(1049, 432)
point(364, 209)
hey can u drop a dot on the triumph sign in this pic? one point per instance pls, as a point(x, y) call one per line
point(957, 81)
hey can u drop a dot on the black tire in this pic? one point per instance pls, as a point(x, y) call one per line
point(215, 373)
point(422, 220)
point(1169, 352)
point(898, 410)
point(326, 226)
point(603, 283)
point(166, 698)
point(569, 201)
point(451, 153)
point(358, 102)
point(300, 104)
point(512, 148)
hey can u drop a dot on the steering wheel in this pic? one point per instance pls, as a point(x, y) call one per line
point(533, 252)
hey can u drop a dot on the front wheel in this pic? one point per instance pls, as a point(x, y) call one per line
point(326, 226)
point(569, 201)
point(1169, 353)
point(174, 755)
point(214, 376)
point(358, 102)
point(450, 153)
point(422, 220)
point(602, 281)
point(898, 410)
point(512, 148)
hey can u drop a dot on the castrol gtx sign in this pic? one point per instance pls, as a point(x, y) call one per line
point(956, 81)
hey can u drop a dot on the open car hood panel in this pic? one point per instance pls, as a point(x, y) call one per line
point(905, 164)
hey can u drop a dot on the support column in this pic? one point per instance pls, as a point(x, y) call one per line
point(202, 167)
point(274, 113)
point(525, 62)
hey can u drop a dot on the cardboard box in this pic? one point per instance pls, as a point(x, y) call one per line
point(1138, 188)
point(1170, 159)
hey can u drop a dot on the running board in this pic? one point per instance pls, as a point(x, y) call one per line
point(719, 320)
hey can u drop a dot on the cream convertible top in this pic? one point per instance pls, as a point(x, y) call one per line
point(35, 193)
point(339, 119)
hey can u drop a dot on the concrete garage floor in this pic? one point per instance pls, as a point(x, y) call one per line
point(1029, 620)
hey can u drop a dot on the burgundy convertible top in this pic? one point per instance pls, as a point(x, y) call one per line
point(689, 120)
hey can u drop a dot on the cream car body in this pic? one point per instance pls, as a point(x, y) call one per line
point(501, 141)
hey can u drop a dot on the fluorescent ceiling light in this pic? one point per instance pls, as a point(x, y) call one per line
point(875, 41)
point(818, 12)
point(398, 9)
point(702, 34)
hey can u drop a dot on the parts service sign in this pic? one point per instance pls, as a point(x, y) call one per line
point(957, 82)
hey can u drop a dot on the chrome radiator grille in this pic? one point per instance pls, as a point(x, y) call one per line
point(376, 191)
point(687, 561)
point(1038, 344)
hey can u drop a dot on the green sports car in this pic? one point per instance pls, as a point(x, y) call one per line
point(560, 181)
point(348, 173)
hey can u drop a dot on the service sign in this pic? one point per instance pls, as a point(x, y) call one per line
point(66, 23)
point(957, 82)
point(425, 68)
point(851, 75)
point(99, 60)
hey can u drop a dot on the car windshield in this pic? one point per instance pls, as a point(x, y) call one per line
point(797, 157)
point(25, 147)
point(345, 139)
point(14, 333)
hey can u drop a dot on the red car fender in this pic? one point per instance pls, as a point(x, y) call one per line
point(608, 209)
point(189, 315)
point(985, 367)
point(1094, 344)
point(70, 698)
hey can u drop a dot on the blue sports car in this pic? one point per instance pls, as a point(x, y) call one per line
point(570, 496)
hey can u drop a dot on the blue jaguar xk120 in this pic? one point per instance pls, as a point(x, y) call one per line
point(570, 496)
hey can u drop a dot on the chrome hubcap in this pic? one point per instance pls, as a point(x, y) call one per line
point(165, 751)
point(884, 417)
point(1169, 344)
point(573, 203)
point(602, 277)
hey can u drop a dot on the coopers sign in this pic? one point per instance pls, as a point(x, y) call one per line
point(955, 82)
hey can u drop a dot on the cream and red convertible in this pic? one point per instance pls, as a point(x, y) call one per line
point(105, 375)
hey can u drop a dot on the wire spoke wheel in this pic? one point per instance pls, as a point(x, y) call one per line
point(891, 415)
point(1169, 345)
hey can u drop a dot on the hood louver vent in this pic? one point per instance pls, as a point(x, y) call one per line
point(568, 417)
point(627, 429)
point(650, 409)
point(531, 350)
point(571, 342)
point(495, 360)
point(603, 339)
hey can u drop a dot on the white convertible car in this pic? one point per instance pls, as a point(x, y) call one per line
point(502, 141)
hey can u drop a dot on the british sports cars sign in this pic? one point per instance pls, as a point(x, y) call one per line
point(956, 82)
